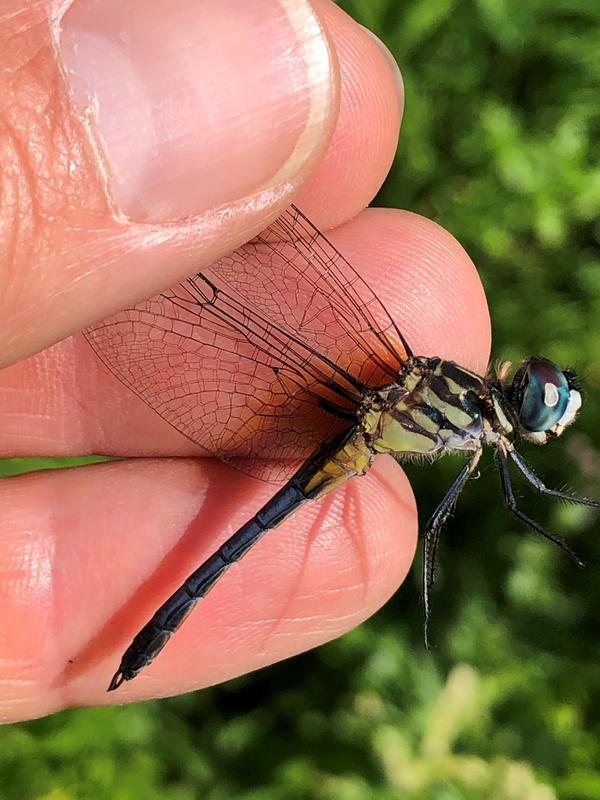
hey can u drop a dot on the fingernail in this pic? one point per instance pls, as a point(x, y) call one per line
point(392, 63)
point(198, 103)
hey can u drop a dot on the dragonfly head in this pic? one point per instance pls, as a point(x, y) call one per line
point(544, 399)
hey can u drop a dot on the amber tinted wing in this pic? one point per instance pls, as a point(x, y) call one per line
point(248, 358)
point(297, 278)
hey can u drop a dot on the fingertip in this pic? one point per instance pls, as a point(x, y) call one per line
point(365, 138)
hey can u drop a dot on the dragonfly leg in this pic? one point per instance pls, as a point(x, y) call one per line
point(509, 499)
point(537, 484)
point(151, 639)
point(431, 537)
point(430, 546)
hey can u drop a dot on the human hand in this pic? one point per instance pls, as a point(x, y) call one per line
point(199, 109)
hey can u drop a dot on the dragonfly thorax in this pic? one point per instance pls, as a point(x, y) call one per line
point(437, 407)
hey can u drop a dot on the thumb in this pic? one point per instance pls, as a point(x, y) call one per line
point(141, 141)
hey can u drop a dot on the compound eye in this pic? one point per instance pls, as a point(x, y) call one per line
point(546, 397)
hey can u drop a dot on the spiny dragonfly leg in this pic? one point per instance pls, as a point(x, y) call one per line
point(538, 484)
point(431, 537)
point(509, 499)
point(151, 639)
point(430, 546)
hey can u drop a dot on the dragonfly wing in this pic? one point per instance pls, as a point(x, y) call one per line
point(223, 376)
point(250, 358)
point(294, 275)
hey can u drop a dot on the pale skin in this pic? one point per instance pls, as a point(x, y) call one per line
point(88, 554)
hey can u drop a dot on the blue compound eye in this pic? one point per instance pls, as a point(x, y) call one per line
point(545, 394)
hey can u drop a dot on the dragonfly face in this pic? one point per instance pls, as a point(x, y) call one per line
point(281, 351)
point(544, 399)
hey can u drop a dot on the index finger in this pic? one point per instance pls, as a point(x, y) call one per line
point(63, 401)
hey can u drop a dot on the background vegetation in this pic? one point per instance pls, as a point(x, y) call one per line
point(500, 144)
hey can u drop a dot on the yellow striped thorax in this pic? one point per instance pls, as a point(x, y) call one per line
point(437, 406)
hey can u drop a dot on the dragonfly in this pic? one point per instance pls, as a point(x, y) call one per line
point(281, 360)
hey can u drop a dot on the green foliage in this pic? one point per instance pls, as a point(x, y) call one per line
point(500, 145)
point(17, 466)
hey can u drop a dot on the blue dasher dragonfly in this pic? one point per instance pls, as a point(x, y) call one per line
point(281, 352)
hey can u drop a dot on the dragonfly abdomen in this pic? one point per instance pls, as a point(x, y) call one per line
point(342, 457)
point(151, 639)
